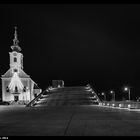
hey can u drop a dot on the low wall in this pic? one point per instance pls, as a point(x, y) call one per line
point(19, 102)
point(121, 104)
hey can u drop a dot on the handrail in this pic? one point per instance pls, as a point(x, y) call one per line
point(35, 99)
point(95, 93)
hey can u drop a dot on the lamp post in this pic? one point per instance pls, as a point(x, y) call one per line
point(104, 96)
point(127, 89)
point(113, 94)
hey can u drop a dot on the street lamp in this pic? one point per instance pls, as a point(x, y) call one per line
point(104, 95)
point(127, 89)
point(113, 93)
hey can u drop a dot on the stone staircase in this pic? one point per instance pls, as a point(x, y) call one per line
point(68, 96)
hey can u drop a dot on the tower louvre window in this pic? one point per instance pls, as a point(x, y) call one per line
point(15, 59)
point(15, 70)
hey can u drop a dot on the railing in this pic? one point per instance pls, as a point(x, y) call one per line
point(32, 102)
point(122, 104)
point(95, 94)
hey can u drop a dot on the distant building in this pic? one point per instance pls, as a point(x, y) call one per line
point(17, 86)
point(57, 83)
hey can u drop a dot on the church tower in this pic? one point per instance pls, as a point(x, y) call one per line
point(16, 58)
point(17, 86)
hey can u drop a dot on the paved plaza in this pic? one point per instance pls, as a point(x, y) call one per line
point(68, 120)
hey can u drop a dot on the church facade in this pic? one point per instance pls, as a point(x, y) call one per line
point(17, 86)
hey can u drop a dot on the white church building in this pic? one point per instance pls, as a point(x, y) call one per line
point(17, 86)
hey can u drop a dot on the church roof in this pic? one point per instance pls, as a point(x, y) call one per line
point(9, 74)
point(36, 86)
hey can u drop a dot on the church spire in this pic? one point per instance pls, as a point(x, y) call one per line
point(15, 46)
point(15, 40)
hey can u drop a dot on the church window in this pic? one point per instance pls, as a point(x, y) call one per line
point(16, 89)
point(7, 89)
point(24, 89)
point(15, 59)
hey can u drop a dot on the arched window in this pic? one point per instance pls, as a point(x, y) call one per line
point(16, 89)
point(7, 89)
point(24, 89)
point(15, 59)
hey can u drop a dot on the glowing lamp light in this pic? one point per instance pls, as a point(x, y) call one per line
point(90, 89)
point(107, 104)
point(120, 105)
point(111, 91)
point(87, 87)
point(113, 105)
point(126, 88)
point(129, 106)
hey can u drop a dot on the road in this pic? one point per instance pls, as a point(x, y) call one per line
point(68, 120)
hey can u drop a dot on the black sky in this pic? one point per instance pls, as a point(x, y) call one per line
point(78, 43)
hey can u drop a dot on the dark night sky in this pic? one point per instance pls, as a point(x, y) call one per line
point(78, 43)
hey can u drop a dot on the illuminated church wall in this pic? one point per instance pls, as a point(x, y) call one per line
point(16, 84)
point(25, 95)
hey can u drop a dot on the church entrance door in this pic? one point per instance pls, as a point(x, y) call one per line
point(16, 98)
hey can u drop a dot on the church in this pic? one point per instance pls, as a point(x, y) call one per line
point(17, 86)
